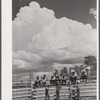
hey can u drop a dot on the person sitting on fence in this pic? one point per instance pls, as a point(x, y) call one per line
point(41, 81)
point(52, 80)
point(44, 80)
point(57, 79)
point(83, 75)
point(37, 82)
point(73, 77)
point(63, 79)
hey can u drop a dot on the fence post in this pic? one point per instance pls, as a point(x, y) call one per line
point(69, 90)
point(30, 74)
point(58, 92)
point(47, 93)
point(31, 95)
point(31, 91)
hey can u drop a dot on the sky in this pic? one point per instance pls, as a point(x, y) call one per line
point(46, 32)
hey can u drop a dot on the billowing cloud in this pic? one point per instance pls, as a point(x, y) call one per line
point(65, 34)
point(40, 39)
point(93, 11)
point(30, 21)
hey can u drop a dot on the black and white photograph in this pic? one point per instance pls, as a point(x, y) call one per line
point(54, 50)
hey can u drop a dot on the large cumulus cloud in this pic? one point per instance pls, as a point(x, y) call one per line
point(30, 21)
point(40, 39)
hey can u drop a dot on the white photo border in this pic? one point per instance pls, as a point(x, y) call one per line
point(6, 53)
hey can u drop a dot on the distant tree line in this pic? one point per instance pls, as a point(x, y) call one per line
point(90, 61)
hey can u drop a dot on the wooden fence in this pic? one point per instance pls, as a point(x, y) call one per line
point(87, 90)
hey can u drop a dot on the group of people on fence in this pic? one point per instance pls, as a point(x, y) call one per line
point(60, 79)
point(41, 82)
point(73, 76)
point(57, 79)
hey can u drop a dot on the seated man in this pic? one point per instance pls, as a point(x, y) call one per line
point(64, 79)
point(57, 79)
point(52, 81)
point(73, 77)
point(37, 82)
point(83, 75)
point(44, 80)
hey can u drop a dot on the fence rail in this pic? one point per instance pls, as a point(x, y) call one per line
point(86, 90)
